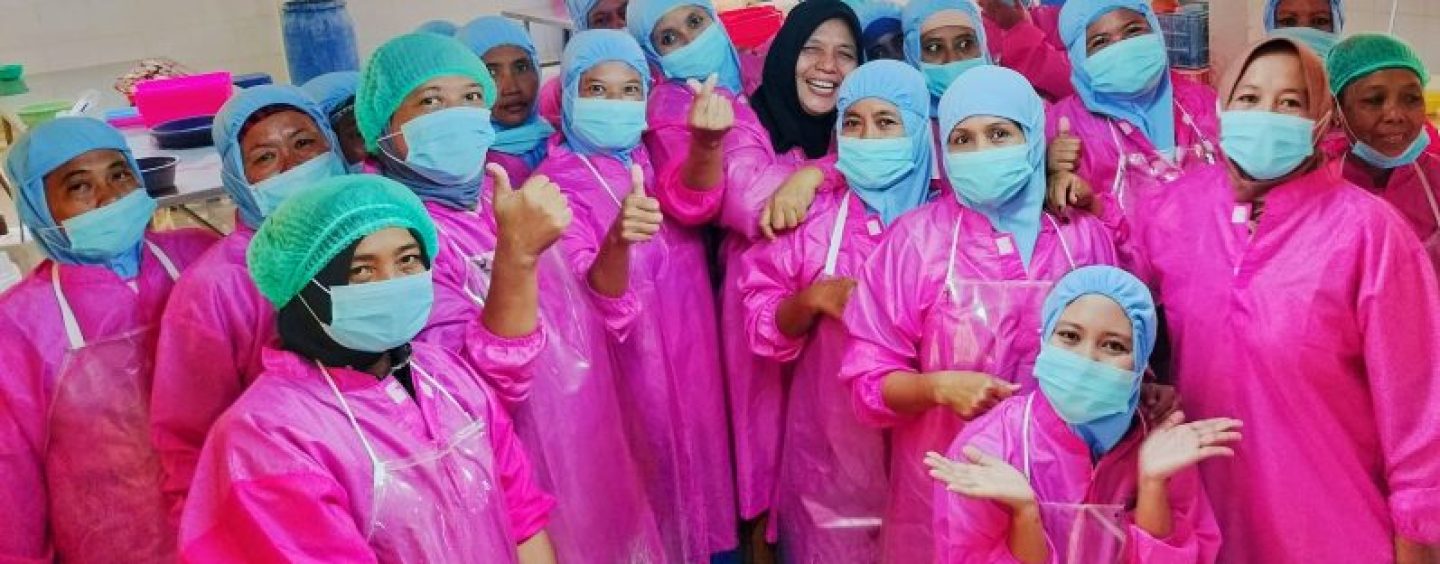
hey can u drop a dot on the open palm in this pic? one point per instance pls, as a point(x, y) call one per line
point(1174, 445)
point(981, 476)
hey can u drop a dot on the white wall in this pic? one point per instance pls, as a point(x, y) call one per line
point(1235, 23)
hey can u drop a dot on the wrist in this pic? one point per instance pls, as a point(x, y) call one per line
point(1025, 509)
point(1152, 483)
point(510, 254)
point(705, 140)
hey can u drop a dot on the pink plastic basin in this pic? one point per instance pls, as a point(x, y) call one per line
point(169, 99)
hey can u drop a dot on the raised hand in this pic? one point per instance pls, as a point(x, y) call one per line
point(790, 203)
point(1063, 153)
point(1174, 445)
point(711, 114)
point(969, 394)
point(982, 476)
point(531, 218)
point(640, 216)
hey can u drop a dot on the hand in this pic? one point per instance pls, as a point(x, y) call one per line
point(1005, 13)
point(829, 296)
point(1411, 552)
point(969, 394)
point(640, 216)
point(711, 114)
point(1063, 153)
point(1158, 401)
point(1067, 190)
point(982, 476)
point(1173, 446)
point(532, 218)
point(788, 206)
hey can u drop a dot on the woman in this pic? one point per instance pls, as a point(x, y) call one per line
point(1139, 123)
point(80, 476)
point(520, 133)
point(283, 477)
point(1323, 15)
point(944, 39)
point(423, 108)
point(273, 144)
point(1388, 150)
point(585, 15)
point(881, 36)
point(335, 94)
point(831, 490)
point(1026, 38)
point(943, 322)
point(618, 246)
point(1071, 472)
point(1297, 304)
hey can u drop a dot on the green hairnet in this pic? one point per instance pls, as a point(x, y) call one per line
point(400, 66)
point(314, 226)
point(1364, 53)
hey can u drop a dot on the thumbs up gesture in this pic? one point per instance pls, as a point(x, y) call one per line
point(531, 218)
point(711, 113)
point(640, 216)
point(1064, 152)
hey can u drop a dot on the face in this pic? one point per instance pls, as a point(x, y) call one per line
point(872, 118)
point(607, 14)
point(827, 56)
point(517, 81)
point(1096, 328)
point(612, 80)
point(1385, 109)
point(280, 142)
point(678, 28)
point(1114, 27)
point(889, 46)
point(351, 142)
point(437, 94)
point(1305, 13)
point(386, 254)
point(1272, 83)
point(979, 133)
point(948, 43)
point(89, 181)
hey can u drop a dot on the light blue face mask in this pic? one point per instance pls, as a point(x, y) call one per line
point(448, 147)
point(1266, 145)
point(874, 164)
point(698, 59)
point(1083, 390)
point(273, 191)
point(991, 177)
point(1133, 66)
point(379, 316)
point(939, 77)
point(523, 138)
point(610, 125)
point(109, 231)
point(1381, 160)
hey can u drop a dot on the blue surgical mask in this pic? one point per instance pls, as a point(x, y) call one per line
point(699, 59)
point(379, 316)
point(1380, 160)
point(355, 168)
point(522, 138)
point(110, 231)
point(1132, 66)
point(874, 164)
point(991, 177)
point(1266, 145)
point(611, 125)
point(1083, 390)
point(448, 147)
point(939, 77)
point(273, 191)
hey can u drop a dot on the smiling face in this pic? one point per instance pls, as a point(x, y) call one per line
point(872, 118)
point(432, 96)
point(1114, 27)
point(1385, 109)
point(826, 58)
point(1095, 327)
point(1305, 13)
point(92, 180)
point(516, 80)
point(948, 36)
point(980, 133)
point(385, 255)
point(678, 28)
point(279, 142)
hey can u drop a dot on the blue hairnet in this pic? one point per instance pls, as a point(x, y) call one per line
point(333, 90)
point(1337, 14)
point(587, 49)
point(580, 12)
point(437, 27)
point(993, 90)
point(1154, 114)
point(1122, 287)
point(486, 33)
point(641, 17)
point(899, 84)
point(1320, 42)
point(918, 11)
point(877, 19)
point(226, 133)
point(45, 148)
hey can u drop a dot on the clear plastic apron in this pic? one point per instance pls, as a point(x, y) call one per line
point(1432, 243)
point(1082, 533)
point(103, 474)
point(1157, 168)
point(443, 503)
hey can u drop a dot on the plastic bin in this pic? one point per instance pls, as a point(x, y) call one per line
point(1187, 36)
point(169, 99)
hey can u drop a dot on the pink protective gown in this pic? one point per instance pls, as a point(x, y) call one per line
point(830, 494)
point(48, 505)
point(946, 291)
point(667, 352)
point(513, 164)
point(290, 470)
point(1414, 190)
point(561, 386)
point(215, 325)
point(1197, 142)
point(549, 97)
point(1087, 508)
point(1321, 332)
point(1032, 48)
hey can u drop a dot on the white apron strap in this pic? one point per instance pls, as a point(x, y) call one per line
point(67, 315)
point(444, 392)
point(599, 178)
point(165, 261)
point(378, 468)
point(1025, 435)
point(950, 263)
point(1064, 246)
point(1429, 191)
point(837, 233)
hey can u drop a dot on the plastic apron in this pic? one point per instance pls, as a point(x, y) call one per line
point(1432, 243)
point(440, 504)
point(1079, 533)
point(1148, 165)
point(832, 481)
point(989, 326)
point(102, 471)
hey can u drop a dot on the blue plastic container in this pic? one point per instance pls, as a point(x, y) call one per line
point(1187, 36)
point(319, 38)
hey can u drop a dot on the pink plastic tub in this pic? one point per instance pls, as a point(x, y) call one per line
point(170, 99)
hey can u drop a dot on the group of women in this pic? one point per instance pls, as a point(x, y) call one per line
point(952, 282)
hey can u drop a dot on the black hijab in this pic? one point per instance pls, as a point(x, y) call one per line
point(776, 101)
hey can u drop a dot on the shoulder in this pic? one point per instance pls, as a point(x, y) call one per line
point(185, 246)
point(997, 431)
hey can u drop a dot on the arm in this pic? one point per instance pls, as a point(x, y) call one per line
point(638, 221)
point(1026, 49)
point(537, 550)
point(770, 276)
point(527, 505)
point(688, 158)
point(24, 508)
point(884, 319)
point(973, 522)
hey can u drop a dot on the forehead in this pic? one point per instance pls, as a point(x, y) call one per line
point(872, 105)
point(1098, 312)
point(611, 71)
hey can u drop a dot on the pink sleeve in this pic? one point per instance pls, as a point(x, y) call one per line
point(527, 505)
point(771, 273)
point(580, 244)
point(668, 142)
point(23, 506)
point(1027, 49)
point(1194, 536)
point(298, 517)
point(760, 172)
point(504, 362)
point(969, 530)
point(1402, 369)
point(550, 101)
